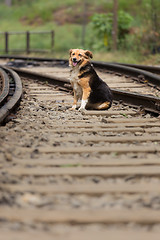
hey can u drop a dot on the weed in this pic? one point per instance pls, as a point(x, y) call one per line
point(70, 165)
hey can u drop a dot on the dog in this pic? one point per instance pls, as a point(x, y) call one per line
point(93, 92)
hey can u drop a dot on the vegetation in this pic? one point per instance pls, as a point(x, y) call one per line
point(102, 25)
point(138, 27)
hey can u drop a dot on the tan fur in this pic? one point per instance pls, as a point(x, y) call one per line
point(103, 106)
point(79, 85)
point(80, 82)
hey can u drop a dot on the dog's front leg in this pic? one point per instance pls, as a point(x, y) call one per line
point(84, 83)
point(74, 101)
point(84, 101)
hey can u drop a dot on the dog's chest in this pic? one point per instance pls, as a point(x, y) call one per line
point(74, 81)
point(74, 75)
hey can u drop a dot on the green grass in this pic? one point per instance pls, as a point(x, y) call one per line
point(38, 15)
point(118, 56)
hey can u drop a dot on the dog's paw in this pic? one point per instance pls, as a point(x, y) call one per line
point(81, 109)
point(72, 108)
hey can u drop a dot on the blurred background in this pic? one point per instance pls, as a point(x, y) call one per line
point(114, 30)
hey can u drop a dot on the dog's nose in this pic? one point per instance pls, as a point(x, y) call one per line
point(74, 59)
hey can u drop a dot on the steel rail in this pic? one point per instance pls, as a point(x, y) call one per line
point(15, 97)
point(56, 81)
point(141, 73)
point(138, 74)
point(146, 102)
point(5, 86)
point(149, 68)
point(152, 69)
point(38, 59)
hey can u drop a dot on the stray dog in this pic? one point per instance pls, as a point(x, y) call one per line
point(87, 86)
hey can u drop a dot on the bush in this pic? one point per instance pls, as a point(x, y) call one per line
point(101, 27)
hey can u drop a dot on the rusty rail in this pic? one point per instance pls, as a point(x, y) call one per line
point(11, 94)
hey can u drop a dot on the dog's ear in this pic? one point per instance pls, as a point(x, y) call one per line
point(88, 54)
point(70, 51)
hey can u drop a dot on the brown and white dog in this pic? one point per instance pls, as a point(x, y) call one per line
point(87, 86)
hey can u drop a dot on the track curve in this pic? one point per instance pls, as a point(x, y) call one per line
point(11, 92)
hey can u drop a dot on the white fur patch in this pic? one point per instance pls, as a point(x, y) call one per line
point(74, 107)
point(83, 104)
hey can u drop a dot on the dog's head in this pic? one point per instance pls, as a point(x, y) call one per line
point(77, 56)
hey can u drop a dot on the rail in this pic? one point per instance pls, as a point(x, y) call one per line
point(146, 102)
point(11, 92)
point(145, 74)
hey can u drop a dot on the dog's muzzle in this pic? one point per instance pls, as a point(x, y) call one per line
point(75, 62)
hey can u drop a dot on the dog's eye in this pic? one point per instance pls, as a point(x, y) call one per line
point(73, 54)
point(80, 55)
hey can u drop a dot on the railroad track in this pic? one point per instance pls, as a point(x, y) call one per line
point(11, 92)
point(72, 175)
point(132, 78)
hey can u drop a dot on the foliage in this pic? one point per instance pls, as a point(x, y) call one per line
point(125, 21)
point(140, 35)
point(102, 25)
point(150, 33)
